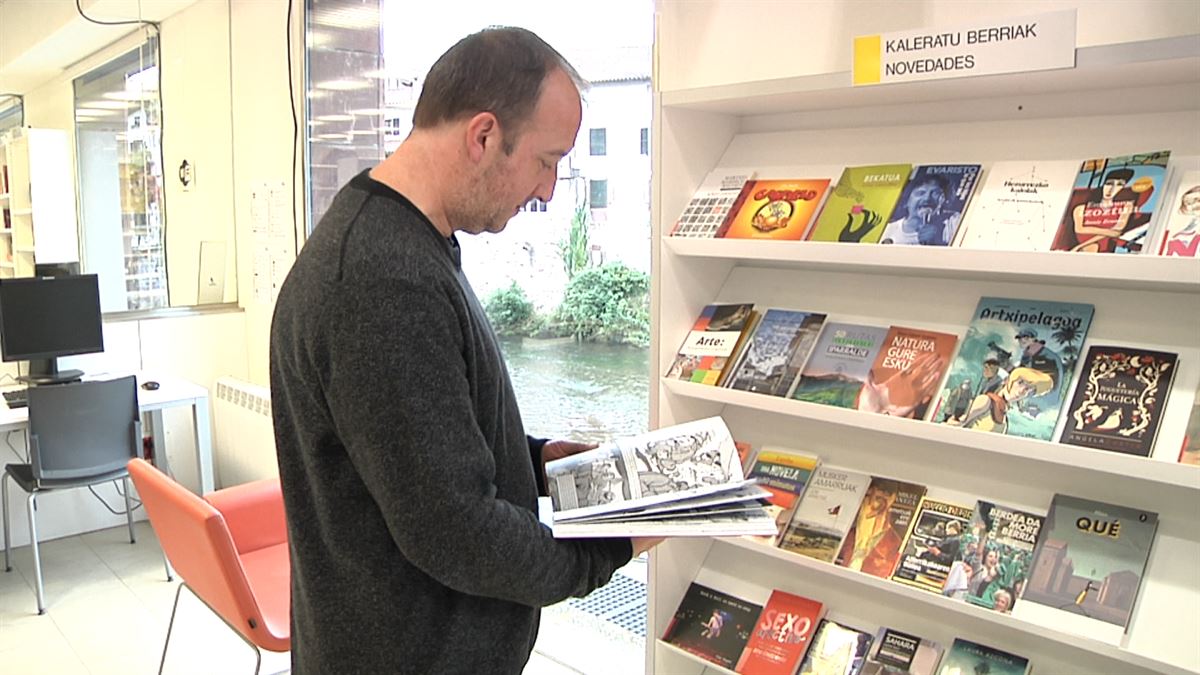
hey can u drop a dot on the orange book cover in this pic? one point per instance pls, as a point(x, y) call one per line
point(775, 209)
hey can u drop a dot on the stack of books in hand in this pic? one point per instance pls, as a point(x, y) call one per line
point(678, 481)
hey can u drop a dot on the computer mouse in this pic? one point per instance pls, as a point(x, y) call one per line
point(150, 385)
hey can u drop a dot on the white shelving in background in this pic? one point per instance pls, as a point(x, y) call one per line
point(1120, 99)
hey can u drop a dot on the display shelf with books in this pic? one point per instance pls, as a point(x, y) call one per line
point(40, 224)
point(1138, 96)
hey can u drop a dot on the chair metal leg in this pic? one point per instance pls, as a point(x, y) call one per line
point(170, 625)
point(37, 558)
point(167, 565)
point(128, 510)
point(4, 501)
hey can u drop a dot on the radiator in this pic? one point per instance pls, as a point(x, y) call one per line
point(244, 440)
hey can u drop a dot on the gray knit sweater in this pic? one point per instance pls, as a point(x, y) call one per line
point(408, 480)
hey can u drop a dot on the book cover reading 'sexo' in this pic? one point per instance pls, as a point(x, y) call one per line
point(971, 658)
point(934, 542)
point(1088, 567)
point(906, 373)
point(706, 351)
point(931, 207)
point(896, 653)
point(1112, 203)
point(1019, 206)
point(1014, 367)
point(839, 363)
point(781, 636)
point(712, 625)
point(775, 352)
point(1119, 402)
point(857, 208)
point(873, 542)
point(775, 209)
point(994, 558)
point(825, 513)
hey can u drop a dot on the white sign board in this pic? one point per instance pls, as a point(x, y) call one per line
point(986, 47)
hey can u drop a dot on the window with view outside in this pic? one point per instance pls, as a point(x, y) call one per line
point(118, 136)
point(566, 284)
point(10, 113)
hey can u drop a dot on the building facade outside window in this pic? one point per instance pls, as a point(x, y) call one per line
point(645, 141)
point(598, 194)
point(597, 142)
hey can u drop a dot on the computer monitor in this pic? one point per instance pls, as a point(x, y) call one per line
point(43, 318)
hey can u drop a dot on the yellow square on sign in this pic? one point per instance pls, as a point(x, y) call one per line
point(867, 61)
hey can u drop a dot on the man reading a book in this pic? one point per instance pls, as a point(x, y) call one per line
point(409, 483)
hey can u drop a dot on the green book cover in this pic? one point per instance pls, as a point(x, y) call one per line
point(857, 209)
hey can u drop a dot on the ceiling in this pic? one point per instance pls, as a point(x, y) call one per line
point(39, 39)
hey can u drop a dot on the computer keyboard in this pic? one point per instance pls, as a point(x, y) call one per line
point(16, 398)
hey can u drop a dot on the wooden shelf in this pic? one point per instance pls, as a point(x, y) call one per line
point(925, 601)
point(1140, 272)
point(1157, 475)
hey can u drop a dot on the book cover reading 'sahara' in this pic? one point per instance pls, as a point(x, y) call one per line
point(1119, 401)
point(931, 206)
point(858, 206)
point(1014, 367)
point(781, 636)
point(1088, 566)
point(775, 209)
point(712, 625)
point(1112, 203)
point(712, 340)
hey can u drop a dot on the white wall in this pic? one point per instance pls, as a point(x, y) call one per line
point(709, 42)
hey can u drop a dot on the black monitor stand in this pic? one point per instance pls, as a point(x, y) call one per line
point(45, 371)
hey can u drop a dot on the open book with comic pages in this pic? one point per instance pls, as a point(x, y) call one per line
point(684, 480)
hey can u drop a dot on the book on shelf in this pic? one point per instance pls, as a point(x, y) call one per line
point(1180, 216)
point(825, 513)
point(839, 364)
point(775, 209)
point(872, 545)
point(781, 636)
point(784, 473)
point(775, 352)
point(712, 343)
point(1088, 567)
point(1014, 367)
point(1019, 206)
point(711, 204)
point(684, 480)
point(933, 543)
point(994, 557)
point(1112, 203)
point(906, 373)
point(1189, 453)
point(857, 207)
point(931, 206)
point(1120, 398)
point(836, 648)
point(971, 658)
point(896, 653)
point(712, 625)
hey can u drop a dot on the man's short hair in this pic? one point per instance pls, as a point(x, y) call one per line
point(498, 70)
point(940, 181)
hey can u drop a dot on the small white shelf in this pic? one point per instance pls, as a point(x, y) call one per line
point(1165, 61)
point(1140, 272)
point(925, 599)
point(713, 667)
point(1157, 474)
point(7, 265)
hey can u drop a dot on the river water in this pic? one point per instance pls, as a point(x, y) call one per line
point(579, 390)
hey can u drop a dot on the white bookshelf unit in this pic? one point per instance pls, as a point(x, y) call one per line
point(1119, 99)
point(38, 208)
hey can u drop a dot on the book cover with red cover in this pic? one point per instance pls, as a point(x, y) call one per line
point(906, 372)
point(781, 636)
point(775, 209)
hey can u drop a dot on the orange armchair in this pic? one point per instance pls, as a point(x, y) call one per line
point(231, 551)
